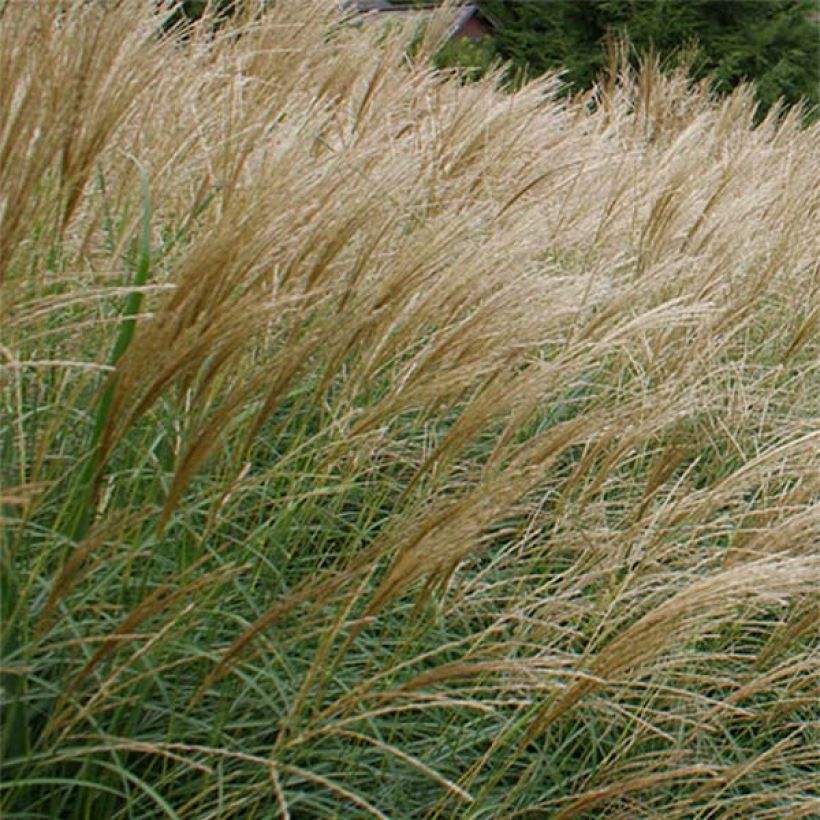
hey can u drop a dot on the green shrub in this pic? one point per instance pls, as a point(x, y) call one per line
point(476, 57)
point(773, 43)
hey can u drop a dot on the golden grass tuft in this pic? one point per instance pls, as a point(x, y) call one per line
point(365, 427)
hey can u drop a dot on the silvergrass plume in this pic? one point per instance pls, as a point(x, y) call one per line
point(379, 443)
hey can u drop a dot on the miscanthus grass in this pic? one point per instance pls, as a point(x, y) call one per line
point(376, 444)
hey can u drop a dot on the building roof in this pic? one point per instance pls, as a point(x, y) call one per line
point(392, 5)
point(465, 11)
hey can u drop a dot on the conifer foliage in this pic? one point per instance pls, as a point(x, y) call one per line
point(775, 43)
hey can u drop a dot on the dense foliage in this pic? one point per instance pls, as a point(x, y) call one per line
point(771, 42)
point(179, 14)
point(374, 444)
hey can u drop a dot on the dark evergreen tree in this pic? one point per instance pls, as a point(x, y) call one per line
point(775, 43)
point(184, 13)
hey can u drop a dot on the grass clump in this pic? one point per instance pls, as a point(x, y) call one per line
point(379, 445)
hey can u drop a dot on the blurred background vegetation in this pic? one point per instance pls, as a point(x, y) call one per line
point(774, 43)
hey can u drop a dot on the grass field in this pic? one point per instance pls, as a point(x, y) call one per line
point(375, 444)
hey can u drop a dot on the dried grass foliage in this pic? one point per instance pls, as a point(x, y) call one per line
point(570, 347)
